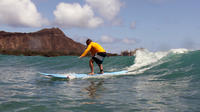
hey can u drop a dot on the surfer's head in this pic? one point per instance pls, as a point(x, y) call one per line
point(88, 41)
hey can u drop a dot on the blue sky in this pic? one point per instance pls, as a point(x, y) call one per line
point(116, 24)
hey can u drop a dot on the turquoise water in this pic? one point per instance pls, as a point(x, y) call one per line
point(161, 81)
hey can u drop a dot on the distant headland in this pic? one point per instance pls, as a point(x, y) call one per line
point(46, 42)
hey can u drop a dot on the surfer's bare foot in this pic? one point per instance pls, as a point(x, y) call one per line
point(91, 73)
point(101, 72)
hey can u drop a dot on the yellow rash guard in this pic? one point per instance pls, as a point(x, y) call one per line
point(94, 48)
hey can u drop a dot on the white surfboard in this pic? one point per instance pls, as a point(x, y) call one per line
point(75, 76)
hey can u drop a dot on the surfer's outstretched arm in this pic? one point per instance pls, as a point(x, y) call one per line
point(86, 51)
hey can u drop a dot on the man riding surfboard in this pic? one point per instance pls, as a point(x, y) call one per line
point(98, 54)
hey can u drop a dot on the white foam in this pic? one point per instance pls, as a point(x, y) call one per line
point(178, 51)
point(143, 58)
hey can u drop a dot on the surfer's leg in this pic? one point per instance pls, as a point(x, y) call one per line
point(91, 67)
point(101, 68)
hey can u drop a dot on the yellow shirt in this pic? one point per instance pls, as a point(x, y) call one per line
point(93, 47)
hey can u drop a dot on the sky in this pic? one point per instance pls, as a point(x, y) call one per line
point(118, 25)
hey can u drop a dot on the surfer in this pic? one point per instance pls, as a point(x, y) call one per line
point(98, 54)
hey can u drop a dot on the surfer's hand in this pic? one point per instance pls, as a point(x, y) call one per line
point(80, 57)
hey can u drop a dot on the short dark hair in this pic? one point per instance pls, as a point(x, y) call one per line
point(88, 41)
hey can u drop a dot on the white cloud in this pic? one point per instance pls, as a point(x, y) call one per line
point(110, 40)
point(133, 25)
point(117, 22)
point(107, 39)
point(106, 8)
point(73, 15)
point(19, 13)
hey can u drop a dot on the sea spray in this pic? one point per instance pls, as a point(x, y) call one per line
point(145, 59)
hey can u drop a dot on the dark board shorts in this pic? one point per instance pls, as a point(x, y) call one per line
point(99, 57)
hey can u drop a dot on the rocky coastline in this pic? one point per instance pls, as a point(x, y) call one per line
point(46, 42)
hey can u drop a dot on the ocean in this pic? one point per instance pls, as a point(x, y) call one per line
point(156, 82)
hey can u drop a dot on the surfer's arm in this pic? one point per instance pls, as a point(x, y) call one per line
point(86, 51)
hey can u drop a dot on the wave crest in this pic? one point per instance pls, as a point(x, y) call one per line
point(145, 59)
